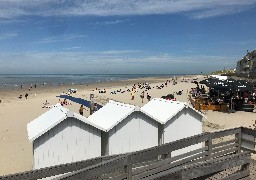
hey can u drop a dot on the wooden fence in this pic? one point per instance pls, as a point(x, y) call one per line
point(220, 151)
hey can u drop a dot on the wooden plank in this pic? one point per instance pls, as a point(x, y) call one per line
point(146, 163)
point(239, 138)
point(190, 153)
point(176, 176)
point(164, 165)
point(238, 175)
point(208, 144)
point(121, 176)
point(128, 168)
point(115, 176)
point(248, 137)
point(249, 141)
point(225, 152)
point(216, 166)
point(55, 170)
point(248, 131)
point(227, 132)
point(246, 149)
point(224, 147)
point(225, 143)
point(117, 172)
point(97, 170)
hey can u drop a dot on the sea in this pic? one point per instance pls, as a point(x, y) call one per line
point(12, 81)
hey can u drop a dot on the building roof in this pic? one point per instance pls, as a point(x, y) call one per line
point(163, 110)
point(111, 114)
point(51, 118)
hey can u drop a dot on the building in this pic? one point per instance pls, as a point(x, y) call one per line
point(61, 136)
point(177, 120)
point(247, 65)
point(125, 128)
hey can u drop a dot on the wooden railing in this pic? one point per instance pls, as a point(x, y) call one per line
point(232, 150)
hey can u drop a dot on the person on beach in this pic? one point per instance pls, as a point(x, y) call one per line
point(95, 107)
point(81, 110)
point(148, 97)
point(26, 95)
point(132, 94)
point(142, 96)
point(46, 102)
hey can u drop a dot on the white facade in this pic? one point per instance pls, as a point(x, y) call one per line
point(136, 132)
point(126, 128)
point(60, 136)
point(177, 120)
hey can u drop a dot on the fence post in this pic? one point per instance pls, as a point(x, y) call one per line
point(238, 136)
point(209, 144)
point(128, 168)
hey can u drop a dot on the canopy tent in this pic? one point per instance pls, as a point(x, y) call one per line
point(228, 85)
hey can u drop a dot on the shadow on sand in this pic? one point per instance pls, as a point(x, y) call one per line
point(78, 100)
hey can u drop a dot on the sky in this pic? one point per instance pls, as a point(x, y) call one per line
point(124, 36)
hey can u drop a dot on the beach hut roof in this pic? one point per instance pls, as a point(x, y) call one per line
point(163, 110)
point(51, 118)
point(111, 114)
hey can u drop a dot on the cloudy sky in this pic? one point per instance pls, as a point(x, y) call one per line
point(124, 36)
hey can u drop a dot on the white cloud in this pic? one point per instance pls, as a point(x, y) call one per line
point(111, 22)
point(7, 35)
point(101, 62)
point(73, 48)
point(194, 8)
point(65, 37)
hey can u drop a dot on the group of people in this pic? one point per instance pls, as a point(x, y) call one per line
point(64, 102)
point(26, 96)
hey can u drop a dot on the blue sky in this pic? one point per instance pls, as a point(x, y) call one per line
point(120, 36)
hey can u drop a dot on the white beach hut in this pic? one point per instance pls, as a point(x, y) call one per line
point(177, 120)
point(126, 128)
point(61, 136)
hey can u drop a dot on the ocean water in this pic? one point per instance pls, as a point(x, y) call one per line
point(16, 80)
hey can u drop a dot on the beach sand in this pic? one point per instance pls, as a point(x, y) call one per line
point(15, 148)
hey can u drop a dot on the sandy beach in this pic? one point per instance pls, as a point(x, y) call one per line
point(15, 148)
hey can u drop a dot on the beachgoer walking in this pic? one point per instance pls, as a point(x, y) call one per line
point(81, 110)
point(26, 95)
point(133, 94)
point(142, 96)
point(148, 97)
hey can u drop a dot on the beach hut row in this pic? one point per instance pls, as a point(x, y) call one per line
point(61, 136)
